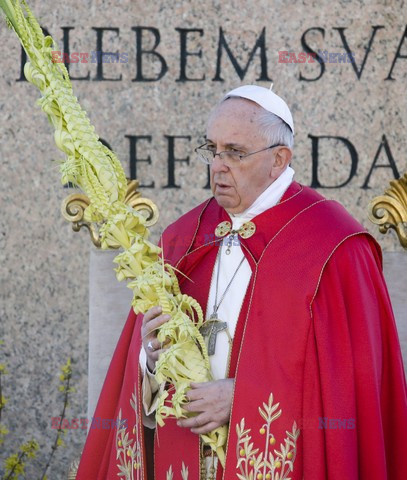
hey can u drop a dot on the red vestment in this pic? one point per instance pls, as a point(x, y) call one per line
point(319, 381)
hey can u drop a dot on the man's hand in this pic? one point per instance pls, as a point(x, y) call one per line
point(151, 322)
point(212, 401)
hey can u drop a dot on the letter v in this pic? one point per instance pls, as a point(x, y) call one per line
point(341, 31)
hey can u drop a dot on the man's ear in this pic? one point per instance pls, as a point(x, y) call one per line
point(282, 158)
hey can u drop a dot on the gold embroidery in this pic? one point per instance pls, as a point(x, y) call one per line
point(128, 452)
point(256, 465)
point(184, 473)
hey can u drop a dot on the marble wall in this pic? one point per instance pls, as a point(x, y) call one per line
point(176, 59)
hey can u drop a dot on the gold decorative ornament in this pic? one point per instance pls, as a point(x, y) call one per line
point(73, 209)
point(143, 205)
point(245, 231)
point(223, 229)
point(390, 209)
point(73, 469)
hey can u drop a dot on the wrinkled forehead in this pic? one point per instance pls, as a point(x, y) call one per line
point(236, 105)
point(234, 119)
point(234, 109)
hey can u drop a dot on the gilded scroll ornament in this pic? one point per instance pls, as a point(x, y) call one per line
point(390, 210)
point(73, 209)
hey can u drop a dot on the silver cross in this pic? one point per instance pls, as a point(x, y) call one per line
point(210, 329)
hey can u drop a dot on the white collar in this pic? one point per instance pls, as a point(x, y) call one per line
point(267, 199)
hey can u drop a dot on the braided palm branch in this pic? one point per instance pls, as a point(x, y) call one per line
point(96, 170)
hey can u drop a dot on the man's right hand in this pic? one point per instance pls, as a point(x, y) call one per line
point(151, 322)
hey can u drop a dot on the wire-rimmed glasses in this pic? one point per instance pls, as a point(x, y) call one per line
point(231, 158)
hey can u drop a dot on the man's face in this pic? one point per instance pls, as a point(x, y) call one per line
point(233, 126)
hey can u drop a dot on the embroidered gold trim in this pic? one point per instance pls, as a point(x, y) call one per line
point(128, 452)
point(265, 465)
point(184, 473)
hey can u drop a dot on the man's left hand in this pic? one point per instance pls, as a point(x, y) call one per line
point(212, 401)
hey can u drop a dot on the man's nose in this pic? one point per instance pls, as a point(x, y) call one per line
point(218, 164)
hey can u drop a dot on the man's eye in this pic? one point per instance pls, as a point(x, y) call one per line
point(211, 148)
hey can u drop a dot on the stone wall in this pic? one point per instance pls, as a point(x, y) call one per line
point(175, 61)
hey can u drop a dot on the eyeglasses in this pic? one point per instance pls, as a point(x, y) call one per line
point(231, 158)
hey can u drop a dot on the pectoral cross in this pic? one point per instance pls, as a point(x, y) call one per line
point(210, 329)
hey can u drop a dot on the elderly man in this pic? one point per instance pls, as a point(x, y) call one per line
point(304, 352)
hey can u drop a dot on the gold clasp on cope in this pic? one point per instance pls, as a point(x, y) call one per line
point(245, 231)
point(225, 228)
